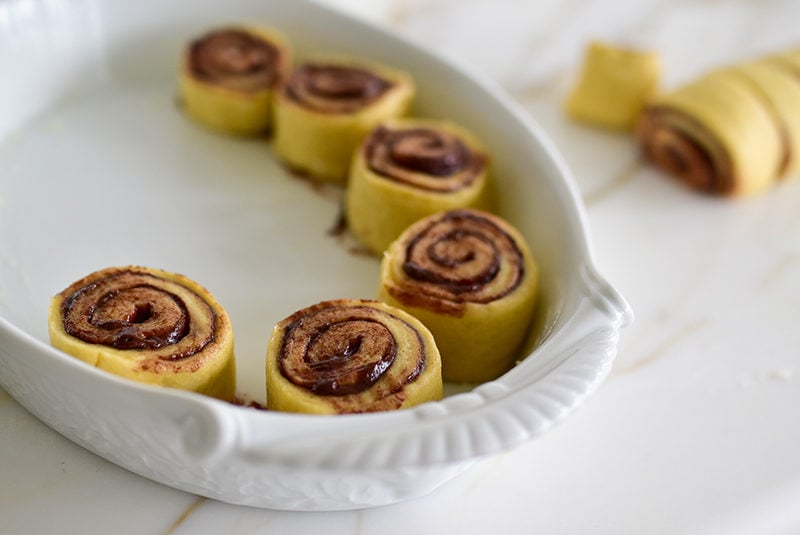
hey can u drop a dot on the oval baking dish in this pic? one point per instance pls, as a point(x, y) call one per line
point(102, 169)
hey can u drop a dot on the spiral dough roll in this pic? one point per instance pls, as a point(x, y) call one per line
point(148, 325)
point(407, 169)
point(470, 277)
point(351, 356)
point(733, 132)
point(229, 76)
point(327, 107)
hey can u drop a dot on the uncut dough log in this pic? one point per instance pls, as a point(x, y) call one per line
point(732, 132)
point(716, 135)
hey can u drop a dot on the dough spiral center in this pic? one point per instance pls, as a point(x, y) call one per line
point(428, 151)
point(341, 350)
point(132, 310)
point(235, 59)
point(463, 257)
point(335, 88)
point(671, 147)
point(425, 158)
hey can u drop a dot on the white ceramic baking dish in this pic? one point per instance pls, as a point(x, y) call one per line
point(99, 168)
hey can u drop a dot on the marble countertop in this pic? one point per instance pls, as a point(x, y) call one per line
point(696, 430)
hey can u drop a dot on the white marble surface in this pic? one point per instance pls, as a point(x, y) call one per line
point(697, 430)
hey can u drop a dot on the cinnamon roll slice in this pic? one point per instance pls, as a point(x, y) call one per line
point(720, 135)
point(407, 169)
point(351, 356)
point(229, 75)
point(470, 277)
point(326, 107)
point(148, 325)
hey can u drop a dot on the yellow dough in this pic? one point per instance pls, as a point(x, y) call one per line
point(350, 356)
point(328, 106)
point(147, 325)
point(788, 60)
point(471, 279)
point(407, 169)
point(228, 78)
point(614, 85)
point(734, 131)
point(780, 91)
point(717, 135)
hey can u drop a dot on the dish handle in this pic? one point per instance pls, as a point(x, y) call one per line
point(569, 365)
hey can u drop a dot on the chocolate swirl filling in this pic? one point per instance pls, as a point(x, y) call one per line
point(335, 350)
point(235, 59)
point(334, 88)
point(428, 159)
point(461, 257)
point(138, 310)
point(678, 151)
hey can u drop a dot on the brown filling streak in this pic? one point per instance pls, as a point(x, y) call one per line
point(343, 351)
point(334, 88)
point(235, 59)
point(397, 154)
point(678, 152)
point(128, 310)
point(435, 256)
